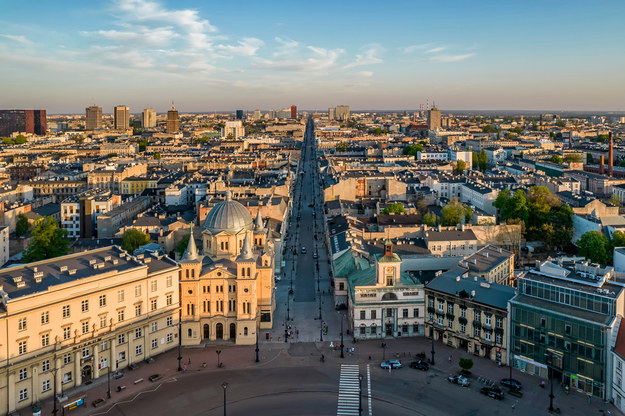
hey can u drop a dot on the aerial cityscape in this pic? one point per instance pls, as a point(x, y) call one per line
point(330, 209)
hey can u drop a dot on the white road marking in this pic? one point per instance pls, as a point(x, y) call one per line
point(369, 389)
point(349, 391)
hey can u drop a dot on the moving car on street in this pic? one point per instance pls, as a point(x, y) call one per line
point(493, 392)
point(391, 364)
point(460, 380)
point(511, 383)
point(420, 365)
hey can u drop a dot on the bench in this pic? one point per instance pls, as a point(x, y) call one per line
point(138, 381)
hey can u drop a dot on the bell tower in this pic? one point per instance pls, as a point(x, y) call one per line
point(388, 267)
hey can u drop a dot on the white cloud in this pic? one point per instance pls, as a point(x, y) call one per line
point(151, 11)
point(369, 57)
point(436, 49)
point(143, 36)
point(17, 38)
point(321, 59)
point(287, 47)
point(414, 48)
point(450, 58)
point(246, 47)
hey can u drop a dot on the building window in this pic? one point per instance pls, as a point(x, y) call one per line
point(153, 286)
point(440, 306)
point(154, 326)
point(389, 281)
point(120, 315)
point(363, 314)
point(450, 308)
point(170, 338)
point(84, 306)
point(488, 320)
point(341, 286)
point(169, 300)
point(487, 335)
point(450, 323)
point(137, 291)
point(168, 281)
point(22, 348)
point(66, 311)
point(170, 321)
point(373, 314)
point(499, 322)
point(22, 374)
point(45, 386)
point(374, 329)
point(154, 343)
point(463, 328)
point(121, 339)
point(103, 321)
point(478, 316)
point(102, 301)
point(415, 312)
point(153, 305)
point(567, 329)
point(498, 338)
point(86, 352)
point(67, 377)
point(463, 312)
point(477, 332)
point(138, 333)
point(405, 314)
point(104, 362)
point(190, 333)
point(45, 366)
point(45, 318)
point(139, 349)
point(121, 356)
point(363, 330)
point(543, 322)
point(415, 328)
point(45, 340)
point(120, 295)
point(431, 317)
point(67, 358)
point(138, 310)
point(85, 327)
point(23, 394)
point(21, 324)
point(440, 320)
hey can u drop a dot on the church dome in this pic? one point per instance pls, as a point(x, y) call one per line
point(230, 216)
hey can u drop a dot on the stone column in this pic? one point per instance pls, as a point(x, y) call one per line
point(58, 374)
point(35, 386)
point(113, 358)
point(96, 361)
point(11, 392)
point(77, 369)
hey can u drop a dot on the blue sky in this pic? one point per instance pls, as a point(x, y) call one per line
point(534, 55)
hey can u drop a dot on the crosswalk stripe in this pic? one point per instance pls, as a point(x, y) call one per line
point(349, 391)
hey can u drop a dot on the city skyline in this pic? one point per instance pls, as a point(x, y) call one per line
point(144, 53)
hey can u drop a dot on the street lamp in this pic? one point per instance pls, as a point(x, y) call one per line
point(179, 340)
point(432, 333)
point(54, 398)
point(257, 329)
point(108, 378)
point(225, 387)
point(549, 359)
point(218, 362)
point(342, 355)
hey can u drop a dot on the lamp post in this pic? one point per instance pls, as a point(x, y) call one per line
point(342, 355)
point(179, 340)
point(224, 385)
point(55, 409)
point(257, 329)
point(549, 360)
point(432, 333)
point(218, 362)
point(108, 379)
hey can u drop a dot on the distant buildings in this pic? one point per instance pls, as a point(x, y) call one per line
point(239, 115)
point(148, 118)
point(93, 117)
point(293, 112)
point(173, 122)
point(121, 115)
point(331, 115)
point(234, 128)
point(342, 112)
point(434, 119)
point(23, 121)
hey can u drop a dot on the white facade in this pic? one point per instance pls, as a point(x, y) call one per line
point(235, 128)
point(148, 118)
point(4, 245)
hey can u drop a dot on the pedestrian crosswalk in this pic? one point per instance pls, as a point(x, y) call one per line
point(349, 391)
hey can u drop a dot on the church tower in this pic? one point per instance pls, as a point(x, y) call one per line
point(388, 267)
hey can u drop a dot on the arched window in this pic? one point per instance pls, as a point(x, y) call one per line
point(190, 333)
point(245, 331)
point(389, 296)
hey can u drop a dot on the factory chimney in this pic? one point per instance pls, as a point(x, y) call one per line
point(610, 156)
point(601, 163)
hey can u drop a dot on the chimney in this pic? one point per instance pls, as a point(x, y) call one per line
point(570, 139)
point(601, 165)
point(610, 156)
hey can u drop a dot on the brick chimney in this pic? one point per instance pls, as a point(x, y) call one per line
point(610, 156)
point(601, 164)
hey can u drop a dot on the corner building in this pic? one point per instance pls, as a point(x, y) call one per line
point(227, 294)
point(73, 318)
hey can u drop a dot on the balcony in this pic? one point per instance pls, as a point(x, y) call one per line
point(431, 309)
point(477, 324)
point(450, 316)
point(462, 320)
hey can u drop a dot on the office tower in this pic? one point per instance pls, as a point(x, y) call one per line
point(293, 112)
point(148, 118)
point(121, 114)
point(342, 112)
point(284, 113)
point(235, 128)
point(239, 115)
point(331, 114)
point(23, 121)
point(272, 114)
point(257, 115)
point(434, 119)
point(173, 122)
point(93, 118)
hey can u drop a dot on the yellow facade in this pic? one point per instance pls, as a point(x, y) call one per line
point(70, 319)
point(135, 186)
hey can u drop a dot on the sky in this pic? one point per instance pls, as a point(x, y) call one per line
point(220, 56)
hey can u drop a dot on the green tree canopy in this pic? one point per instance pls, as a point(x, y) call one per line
point(460, 167)
point(142, 145)
point(48, 241)
point(429, 219)
point(618, 239)
point(20, 139)
point(516, 130)
point(454, 212)
point(489, 129)
point(394, 208)
point(413, 149)
point(341, 147)
point(475, 160)
point(182, 245)
point(22, 225)
point(157, 155)
point(572, 158)
point(466, 363)
point(482, 160)
point(132, 239)
point(555, 159)
point(594, 246)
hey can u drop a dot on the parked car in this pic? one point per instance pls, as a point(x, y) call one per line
point(493, 392)
point(391, 364)
point(303, 250)
point(420, 365)
point(155, 377)
point(511, 383)
point(461, 380)
point(315, 255)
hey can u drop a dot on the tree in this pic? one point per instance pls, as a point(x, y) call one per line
point(555, 159)
point(615, 200)
point(22, 225)
point(429, 219)
point(342, 146)
point(182, 245)
point(460, 167)
point(468, 214)
point(465, 363)
point(454, 212)
point(413, 149)
point(572, 158)
point(142, 145)
point(132, 239)
point(618, 239)
point(394, 208)
point(21, 139)
point(595, 246)
point(476, 160)
point(489, 129)
point(516, 130)
point(482, 160)
point(589, 159)
point(157, 156)
point(48, 241)
point(422, 206)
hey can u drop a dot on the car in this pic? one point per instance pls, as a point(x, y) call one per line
point(460, 380)
point(390, 364)
point(155, 377)
point(315, 255)
point(311, 205)
point(303, 250)
point(511, 383)
point(493, 392)
point(420, 365)
point(314, 214)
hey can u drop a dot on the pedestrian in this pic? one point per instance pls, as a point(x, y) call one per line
point(390, 367)
point(189, 361)
point(589, 396)
point(450, 358)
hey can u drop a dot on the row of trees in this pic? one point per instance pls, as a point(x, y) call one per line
point(19, 139)
point(542, 215)
point(454, 213)
point(480, 161)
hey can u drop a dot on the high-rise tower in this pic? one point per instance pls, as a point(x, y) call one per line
point(148, 118)
point(121, 114)
point(434, 119)
point(173, 122)
point(93, 117)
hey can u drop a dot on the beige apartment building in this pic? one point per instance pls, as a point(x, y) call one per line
point(73, 318)
point(228, 292)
